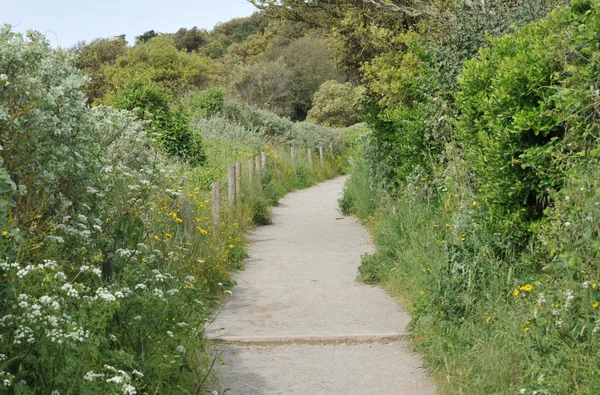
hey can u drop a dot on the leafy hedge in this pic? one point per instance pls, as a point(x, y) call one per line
point(493, 240)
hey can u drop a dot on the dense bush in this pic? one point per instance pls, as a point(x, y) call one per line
point(170, 127)
point(336, 104)
point(494, 247)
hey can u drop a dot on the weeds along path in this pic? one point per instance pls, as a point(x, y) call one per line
point(299, 323)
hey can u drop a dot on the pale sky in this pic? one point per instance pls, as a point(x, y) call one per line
point(67, 21)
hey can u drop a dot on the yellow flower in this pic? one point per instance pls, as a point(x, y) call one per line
point(428, 269)
point(422, 293)
point(230, 245)
point(170, 236)
point(474, 203)
point(488, 319)
point(558, 215)
point(417, 187)
point(527, 287)
point(202, 231)
point(443, 241)
point(437, 313)
point(527, 329)
point(516, 292)
point(4, 233)
point(595, 305)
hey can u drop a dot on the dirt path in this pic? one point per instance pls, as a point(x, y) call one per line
point(299, 323)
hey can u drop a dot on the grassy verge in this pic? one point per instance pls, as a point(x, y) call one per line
point(484, 318)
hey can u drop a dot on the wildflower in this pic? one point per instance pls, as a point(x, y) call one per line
point(487, 320)
point(231, 246)
point(4, 233)
point(595, 305)
point(527, 329)
point(516, 292)
point(527, 287)
point(168, 235)
point(474, 203)
point(422, 293)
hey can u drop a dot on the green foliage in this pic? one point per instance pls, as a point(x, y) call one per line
point(146, 36)
point(516, 100)
point(494, 245)
point(171, 128)
point(94, 58)
point(189, 39)
point(336, 104)
point(160, 62)
point(207, 103)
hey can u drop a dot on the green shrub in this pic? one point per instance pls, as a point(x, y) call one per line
point(170, 127)
point(517, 101)
point(208, 102)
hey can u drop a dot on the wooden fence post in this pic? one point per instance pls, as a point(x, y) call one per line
point(216, 208)
point(250, 169)
point(331, 153)
point(238, 182)
point(187, 216)
point(321, 155)
point(293, 151)
point(257, 164)
point(263, 160)
point(231, 186)
point(310, 158)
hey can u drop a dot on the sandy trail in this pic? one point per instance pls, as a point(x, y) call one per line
point(299, 323)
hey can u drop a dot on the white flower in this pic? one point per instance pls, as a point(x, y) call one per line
point(169, 333)
point(140, 286)
point(104, 294)
point(541, 300)
point(97, 272)
point(585, 284)
point(181, 349)
point(60, 276)
point(128, 389)
point(115, 379)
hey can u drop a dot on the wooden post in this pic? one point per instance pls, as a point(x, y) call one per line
point(310, 162)
point(238, 182)
point(331, 149)
point(294, 161)
point(187, 216)
point(263, 160)
point(250, 169)
point(257, 164)
point(321, 155)
point(216, 208)
point(231, 186)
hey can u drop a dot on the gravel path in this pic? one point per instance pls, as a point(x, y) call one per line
point(299, 323)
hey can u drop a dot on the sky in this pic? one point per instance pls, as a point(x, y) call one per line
point(65, 22)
